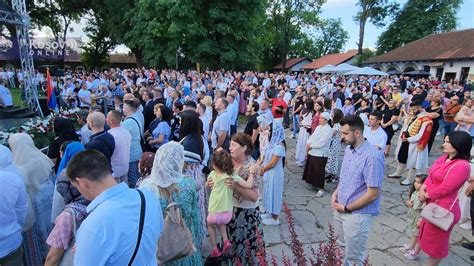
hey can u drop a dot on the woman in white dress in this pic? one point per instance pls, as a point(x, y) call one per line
point(303, 135)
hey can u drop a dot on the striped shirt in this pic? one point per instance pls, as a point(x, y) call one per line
point(362, 167)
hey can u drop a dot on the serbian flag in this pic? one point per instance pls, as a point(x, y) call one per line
point(50, 92)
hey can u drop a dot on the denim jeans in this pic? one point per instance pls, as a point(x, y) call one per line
point(296, 127)
point(132, 174)
point(353, 230)
point(449, 127)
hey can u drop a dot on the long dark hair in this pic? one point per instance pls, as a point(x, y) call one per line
point(309, 104)
point(423, 177)
point(166, 114)
point(192, 125)
point(462, 143)
point(65, 128)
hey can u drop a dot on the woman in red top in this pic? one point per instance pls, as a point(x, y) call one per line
point(446, 176)
point(280, 104)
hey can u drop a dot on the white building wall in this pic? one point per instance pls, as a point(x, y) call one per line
point(448, 67)
point(299, 66)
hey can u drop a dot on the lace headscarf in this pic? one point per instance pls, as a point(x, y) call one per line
point(34, 166)
point(168, 165)
point(278, 136)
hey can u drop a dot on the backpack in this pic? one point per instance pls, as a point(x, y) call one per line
point(176, 241)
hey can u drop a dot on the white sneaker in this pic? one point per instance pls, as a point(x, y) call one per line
point(405, 182)
point(265, 216)
point(405, 248)
point(411, 255)
point(320, 193)
point(466, 225)
point(270, 221)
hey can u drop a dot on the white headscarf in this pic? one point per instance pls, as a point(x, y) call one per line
point(168, 165)
point(6, 160)
point(34, 166)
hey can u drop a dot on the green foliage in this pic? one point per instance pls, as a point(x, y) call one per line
point(366, 54)
point(375, 11)
point(417, 19)
point(327, 38)
point(96, 51)
point(283, 30)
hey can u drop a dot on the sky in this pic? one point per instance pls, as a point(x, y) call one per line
point(344, 9)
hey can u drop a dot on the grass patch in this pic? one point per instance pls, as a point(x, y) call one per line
point(16, 95)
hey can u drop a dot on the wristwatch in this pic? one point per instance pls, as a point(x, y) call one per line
point(346, 210)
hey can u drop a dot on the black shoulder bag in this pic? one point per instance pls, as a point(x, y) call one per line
point(140, 227)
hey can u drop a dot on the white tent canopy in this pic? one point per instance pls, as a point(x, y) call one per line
point(366, 71)
point(344, 67)
point(326, 69)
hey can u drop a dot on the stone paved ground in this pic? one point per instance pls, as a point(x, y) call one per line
point(312, 216)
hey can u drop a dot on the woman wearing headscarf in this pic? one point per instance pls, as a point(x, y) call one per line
point(13, 209)
point(36, 170)
point(167, 181)
point(318, 151)
point(73, 207)
point(273, 174)
point(64, 131)
point(64, 192)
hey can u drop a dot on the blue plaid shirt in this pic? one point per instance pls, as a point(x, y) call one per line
point(362, 167)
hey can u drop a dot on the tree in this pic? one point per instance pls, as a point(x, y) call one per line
point(374, 11)
point(417, 19)
point(330, 37)
point(96, 51)
point(57, 15)
point(286, 19)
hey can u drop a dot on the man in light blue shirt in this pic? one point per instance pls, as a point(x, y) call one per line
point(133, 123)
point(109, 235)
point(233, 110)
point(221, 126)
point(356, 200)
point(13, 208)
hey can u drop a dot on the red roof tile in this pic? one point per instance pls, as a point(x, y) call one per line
point(442, 46)
point(333, 59)
point(291, 62)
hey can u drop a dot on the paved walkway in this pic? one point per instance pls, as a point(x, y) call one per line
point(312, 216)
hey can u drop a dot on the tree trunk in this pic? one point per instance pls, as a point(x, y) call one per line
point(138, 56)
point(360, 44)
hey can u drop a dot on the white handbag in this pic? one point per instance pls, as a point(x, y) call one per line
point(438, 215)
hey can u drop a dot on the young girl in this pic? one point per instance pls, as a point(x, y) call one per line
point(466, 112)
point(412, 250)
point(220, 201)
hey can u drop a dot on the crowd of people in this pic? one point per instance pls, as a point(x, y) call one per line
point(177, 138)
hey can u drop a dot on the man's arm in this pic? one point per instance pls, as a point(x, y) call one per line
point(221, 138)
point(369, 197)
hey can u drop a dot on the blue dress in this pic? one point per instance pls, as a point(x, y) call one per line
point(273, 182)
point(188, 201)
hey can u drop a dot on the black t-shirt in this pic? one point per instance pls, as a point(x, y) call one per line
point(436, 120)
point(298, 102)
point(389, 113)
point(363, 110)
point(355, 98)
point(252, 124)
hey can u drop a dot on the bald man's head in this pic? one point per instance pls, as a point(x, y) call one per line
point(128, 96)
point(114, 118)
point(96, 121)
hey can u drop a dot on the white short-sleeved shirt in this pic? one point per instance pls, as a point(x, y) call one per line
point(86, 94)
point(377, 138)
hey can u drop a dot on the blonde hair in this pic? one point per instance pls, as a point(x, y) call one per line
point(207, 101)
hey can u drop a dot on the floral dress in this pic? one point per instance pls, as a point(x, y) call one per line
point(336, 152)
point(414, 214)
point(187, 198)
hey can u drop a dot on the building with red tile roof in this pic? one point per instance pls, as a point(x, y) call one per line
point(448, 55)
point(332, 59)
